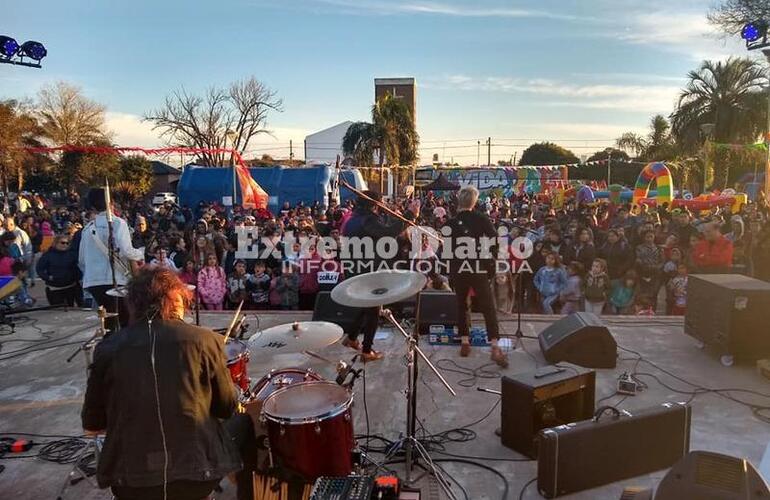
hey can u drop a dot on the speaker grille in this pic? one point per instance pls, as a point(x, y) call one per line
point(720, 472)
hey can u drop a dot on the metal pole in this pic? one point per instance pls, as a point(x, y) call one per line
point(609, 162)
point(767, 136)
point(489, 151)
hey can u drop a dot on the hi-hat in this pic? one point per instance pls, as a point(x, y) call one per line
point(378, 288)
point(294, 337)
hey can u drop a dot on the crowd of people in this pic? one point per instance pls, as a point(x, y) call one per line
point(599, 258)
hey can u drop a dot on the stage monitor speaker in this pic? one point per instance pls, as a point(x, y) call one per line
point(436, 308)
point(550, 396)
point(727, 311)
point(593, 453)
point(580, 338)
point(327, 310)
point(712, 476)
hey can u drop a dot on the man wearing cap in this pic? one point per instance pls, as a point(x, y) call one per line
point(94, 257)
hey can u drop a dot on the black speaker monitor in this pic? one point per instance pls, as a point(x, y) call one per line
point(580, 338)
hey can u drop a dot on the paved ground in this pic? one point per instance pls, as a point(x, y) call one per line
point(41, 393)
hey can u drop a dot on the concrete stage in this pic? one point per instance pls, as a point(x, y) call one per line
point(41, 393)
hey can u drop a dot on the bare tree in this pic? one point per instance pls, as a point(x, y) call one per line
point(221, 119)
point(731, 15)
point(68, 117)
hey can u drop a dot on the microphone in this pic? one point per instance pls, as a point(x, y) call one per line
point(344, 369)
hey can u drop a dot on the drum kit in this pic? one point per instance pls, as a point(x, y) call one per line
point(307, 421)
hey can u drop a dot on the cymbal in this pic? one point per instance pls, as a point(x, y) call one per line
point(119, 291)
point(294, 337)
point(378, 288)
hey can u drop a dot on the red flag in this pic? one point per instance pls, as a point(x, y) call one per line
point(252, 194)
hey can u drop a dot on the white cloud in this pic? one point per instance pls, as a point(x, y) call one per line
point(445, 9)
point(643, 98)
point(687, 32)
point(130, 130)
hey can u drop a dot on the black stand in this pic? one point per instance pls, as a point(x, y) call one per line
point(519, 306)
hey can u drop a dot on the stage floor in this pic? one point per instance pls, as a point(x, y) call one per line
point(41, 393)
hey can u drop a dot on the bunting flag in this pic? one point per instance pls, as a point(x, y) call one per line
point(252, 194)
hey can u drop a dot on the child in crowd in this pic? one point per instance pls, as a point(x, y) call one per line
point(597, 287)
point(677, 287)
point(239, 284)
point(260, 286)
point(188, 274)
point(550, 280)
point(571, 297)
point(284, 289)
point(623, 294)
point(212, 284)
point(21, 272)
point(644, 306)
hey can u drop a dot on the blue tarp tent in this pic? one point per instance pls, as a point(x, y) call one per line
point(282, 184)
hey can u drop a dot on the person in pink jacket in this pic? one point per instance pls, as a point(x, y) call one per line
point(212, 284)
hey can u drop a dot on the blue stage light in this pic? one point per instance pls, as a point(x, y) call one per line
point(8, 46)
point(752, 32)
point(33, 50)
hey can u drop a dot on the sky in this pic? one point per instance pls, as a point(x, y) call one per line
point(575, 72)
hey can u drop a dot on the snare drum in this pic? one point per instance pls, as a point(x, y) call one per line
point(237, 353)
point(279, 378)
point(310, 429)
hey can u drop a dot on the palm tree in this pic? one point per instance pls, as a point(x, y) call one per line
point(391, 135)
point(727, 94)
point(631, 142)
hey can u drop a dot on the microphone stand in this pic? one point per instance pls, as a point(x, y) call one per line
point(111, 246)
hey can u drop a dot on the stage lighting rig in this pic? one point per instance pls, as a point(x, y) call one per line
point(755, 34)
point(29, 53)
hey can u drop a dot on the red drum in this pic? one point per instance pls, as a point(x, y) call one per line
point(310, 429)
point(278, 379)
point(237, 354)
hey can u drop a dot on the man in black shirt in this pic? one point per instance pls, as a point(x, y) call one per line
point(474, 271)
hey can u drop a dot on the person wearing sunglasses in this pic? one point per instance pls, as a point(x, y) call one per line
point(58, 268)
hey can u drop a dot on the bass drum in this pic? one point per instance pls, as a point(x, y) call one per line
point(310, 429)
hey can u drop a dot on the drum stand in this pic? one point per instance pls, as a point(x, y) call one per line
point(93, 446)
point(409, 443)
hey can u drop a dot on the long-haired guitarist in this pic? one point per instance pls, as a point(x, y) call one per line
point(94, 257)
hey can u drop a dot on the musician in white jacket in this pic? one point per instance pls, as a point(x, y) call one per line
point(94, 257)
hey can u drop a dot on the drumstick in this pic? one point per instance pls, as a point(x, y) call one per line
point(232, 323)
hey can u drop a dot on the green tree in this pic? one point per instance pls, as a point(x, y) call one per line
point(136, 170)
point(731, 15)
point(631, 142)
point(78, 169)
point(391, 135)
point(18, 129)
point(728, 95)
point(547, 153)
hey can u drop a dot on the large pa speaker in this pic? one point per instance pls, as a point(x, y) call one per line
point(727, 311)
point(349, 318)
point(712, 476)
point(580, 338)
point(436, 308)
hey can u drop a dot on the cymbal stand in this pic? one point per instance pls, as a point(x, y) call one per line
point(519, 342)
point(94, 446)
point(409, 443)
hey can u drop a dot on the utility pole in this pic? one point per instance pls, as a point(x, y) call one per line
point(513, 163)
point(478, 153)
point(305, 151)
point(291, 150)
point(489, 151)
point(609, 164)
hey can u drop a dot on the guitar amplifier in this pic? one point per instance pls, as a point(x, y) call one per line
point(727, 311)
point(551, 396)
point(436, 308)
point(583, 455)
